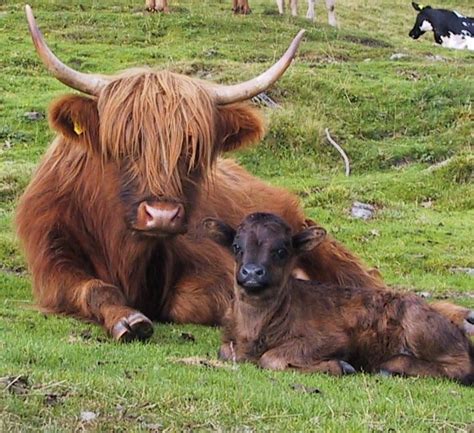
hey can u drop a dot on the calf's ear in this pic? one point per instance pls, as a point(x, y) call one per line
point(308, 239)
point(238, 125)
point(76, 118)
point(219, 231)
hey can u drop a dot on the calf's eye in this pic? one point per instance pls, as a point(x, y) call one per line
point(281, 253)
point(236, 249)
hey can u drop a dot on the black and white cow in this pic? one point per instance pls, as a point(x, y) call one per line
point(451, 29)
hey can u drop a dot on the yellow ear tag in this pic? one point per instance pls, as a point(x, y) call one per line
point(78, 128)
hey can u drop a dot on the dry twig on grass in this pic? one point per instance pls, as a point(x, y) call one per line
point(340, 150)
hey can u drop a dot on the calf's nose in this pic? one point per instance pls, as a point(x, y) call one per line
point(252, 275)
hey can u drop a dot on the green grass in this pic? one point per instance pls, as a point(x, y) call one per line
point(394, 118)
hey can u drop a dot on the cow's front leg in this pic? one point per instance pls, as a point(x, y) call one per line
point(106, 304)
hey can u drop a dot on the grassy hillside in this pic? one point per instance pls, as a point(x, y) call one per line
point(395, 119)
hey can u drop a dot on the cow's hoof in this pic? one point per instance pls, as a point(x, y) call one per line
point(134, 327)
point(347, 368)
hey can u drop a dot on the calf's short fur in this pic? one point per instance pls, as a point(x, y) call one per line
point(280, 322)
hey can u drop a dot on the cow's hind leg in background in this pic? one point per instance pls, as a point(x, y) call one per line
point(294, 8)
point(331, 6)
point(157, 6)
point(310, 13)
point(241, 7)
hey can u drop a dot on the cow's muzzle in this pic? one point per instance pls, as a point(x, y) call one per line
point(160, 218)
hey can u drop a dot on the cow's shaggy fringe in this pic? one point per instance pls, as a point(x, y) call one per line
point(157, 119)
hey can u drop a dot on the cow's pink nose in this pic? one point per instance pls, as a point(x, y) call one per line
point(168, 218)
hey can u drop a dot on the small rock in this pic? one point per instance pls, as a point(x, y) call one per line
point(264, 99)
point(436, 58)
point(155, 428)
point(33, 115)
point(367, 60)
point(468, 271)
point(398, 56)
point(87, 416)
point(362, 210)
point(374, 232)
point(425, 294)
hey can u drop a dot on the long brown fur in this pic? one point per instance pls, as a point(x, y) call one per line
point(149, 135)
point(285, 323)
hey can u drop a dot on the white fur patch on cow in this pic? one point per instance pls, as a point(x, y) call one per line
point(426, 26)
point(458, 14)
point(458, 42)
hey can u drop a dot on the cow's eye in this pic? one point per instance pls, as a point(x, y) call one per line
point(281, 253)
point(236, 249)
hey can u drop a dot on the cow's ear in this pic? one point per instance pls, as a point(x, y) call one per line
point(418, 7)
point(308, 239)
point(238, 125)
point(76, 118)
point(219, 231)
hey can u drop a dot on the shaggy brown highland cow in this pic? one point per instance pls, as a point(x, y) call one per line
point(280, 322)
point(108, 222)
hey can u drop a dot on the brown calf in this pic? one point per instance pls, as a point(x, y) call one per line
point(280, 322)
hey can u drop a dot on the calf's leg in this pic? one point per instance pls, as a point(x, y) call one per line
point(406, 365)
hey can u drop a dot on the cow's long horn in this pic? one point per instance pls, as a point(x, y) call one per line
point(249, 89)
point(87, 83)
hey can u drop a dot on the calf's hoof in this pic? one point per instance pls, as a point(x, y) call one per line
point(136, 326)
point(347, 368)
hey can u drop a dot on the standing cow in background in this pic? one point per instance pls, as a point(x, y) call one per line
point(450, 29)
point(330, 6)
point(242, 7)
point(109, 220)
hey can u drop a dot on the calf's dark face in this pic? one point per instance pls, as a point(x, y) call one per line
point(265, 250)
